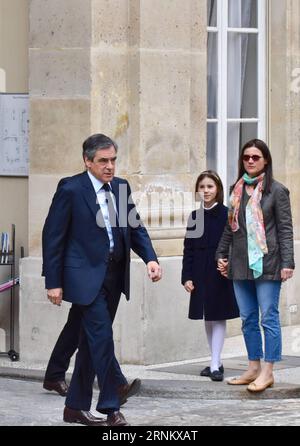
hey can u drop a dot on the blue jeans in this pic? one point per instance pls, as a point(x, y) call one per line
point(263, 295)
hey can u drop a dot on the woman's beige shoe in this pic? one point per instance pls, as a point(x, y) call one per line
point(240, 382)
point(255, 388)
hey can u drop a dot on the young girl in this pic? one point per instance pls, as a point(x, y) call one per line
point(212, 296)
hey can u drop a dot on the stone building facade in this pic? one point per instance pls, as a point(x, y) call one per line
point(135, 70)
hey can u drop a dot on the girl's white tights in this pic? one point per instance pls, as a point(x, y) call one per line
point(215, 332)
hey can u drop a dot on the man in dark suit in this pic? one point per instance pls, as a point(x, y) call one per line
point(91, 226)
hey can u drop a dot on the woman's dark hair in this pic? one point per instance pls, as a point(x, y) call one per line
point(217, 180)
point(262, 146)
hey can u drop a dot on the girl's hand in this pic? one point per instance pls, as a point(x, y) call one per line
point(189, 286)
point(223, 267)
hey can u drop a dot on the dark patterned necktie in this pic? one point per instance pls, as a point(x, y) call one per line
point(119, 251)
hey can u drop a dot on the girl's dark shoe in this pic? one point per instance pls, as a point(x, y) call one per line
point(206, 371)
point(216, 375)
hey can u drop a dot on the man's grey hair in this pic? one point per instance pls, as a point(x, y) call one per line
point(96, 142)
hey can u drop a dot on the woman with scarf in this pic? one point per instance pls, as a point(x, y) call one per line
point(256, 252)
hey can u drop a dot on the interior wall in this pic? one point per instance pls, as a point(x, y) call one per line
point(14, 29)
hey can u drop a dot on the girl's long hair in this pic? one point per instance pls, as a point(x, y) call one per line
point(216, 179)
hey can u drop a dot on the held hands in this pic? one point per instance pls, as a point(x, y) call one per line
point(154, 271)
point(286, 274)
point(55, 295)
point(189, 286)
point(223, 267)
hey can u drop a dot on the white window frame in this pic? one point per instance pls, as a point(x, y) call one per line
point(222, 120)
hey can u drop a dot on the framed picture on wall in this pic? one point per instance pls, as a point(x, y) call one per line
point(14, 134)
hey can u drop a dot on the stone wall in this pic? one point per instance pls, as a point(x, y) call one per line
point(134, 70)
point(284, 130)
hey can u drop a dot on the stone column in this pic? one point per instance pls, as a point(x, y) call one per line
point(148, 71)
point(284, 118)
point(135, 70)
point(149, 90)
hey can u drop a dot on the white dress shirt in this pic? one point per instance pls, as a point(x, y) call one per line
point(97, 184)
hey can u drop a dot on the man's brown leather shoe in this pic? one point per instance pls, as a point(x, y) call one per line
point(128, 390)
point(116, 419)
point(60, 387)
point(82, 417)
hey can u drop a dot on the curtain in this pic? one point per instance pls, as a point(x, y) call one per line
point(239, 15)
point(242, 81)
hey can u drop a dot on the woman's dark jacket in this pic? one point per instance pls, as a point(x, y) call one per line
point(213, 297)
point(277, 216)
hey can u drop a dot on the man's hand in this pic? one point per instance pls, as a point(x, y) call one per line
point(55, 295)
point(223, 267)
point(286, 274)
point(189, 286)
point(154, 271)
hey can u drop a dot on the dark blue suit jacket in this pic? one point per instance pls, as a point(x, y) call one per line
point(76, 248)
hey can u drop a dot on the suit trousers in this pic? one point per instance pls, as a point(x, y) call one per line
point(68, 340)
point(95, 354)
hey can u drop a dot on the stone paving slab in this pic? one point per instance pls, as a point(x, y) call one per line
point(24, 403)
point(233, 366)
point(180, 389)
point(155, 384)
point(209, 390)
point(22, 373)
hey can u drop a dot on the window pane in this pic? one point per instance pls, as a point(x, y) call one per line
point(212, 13)
point(212, 75)
point(212, 142)
point(248, 131)
point(242, 76)
point(238, 134)
point(242, 13)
